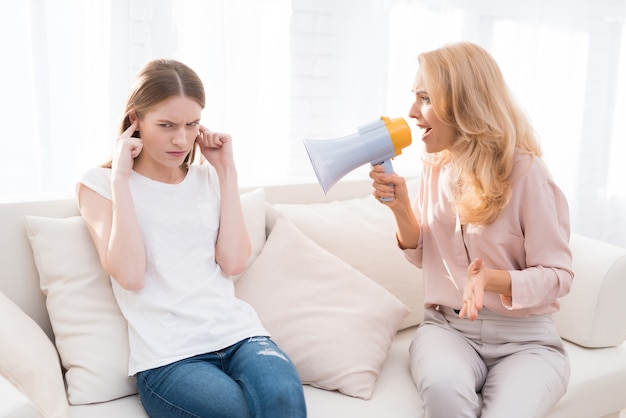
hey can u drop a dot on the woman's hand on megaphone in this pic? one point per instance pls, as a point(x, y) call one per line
point(389, 189)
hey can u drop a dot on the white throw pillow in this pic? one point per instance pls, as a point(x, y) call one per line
point(29, 361)
point(90, 332)
point(361, 232)
point(335, 324)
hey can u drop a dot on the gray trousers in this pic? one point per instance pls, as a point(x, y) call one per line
point(492, 367)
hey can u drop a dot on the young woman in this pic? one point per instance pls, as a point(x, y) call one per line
point(490, 229)
point(169, 233)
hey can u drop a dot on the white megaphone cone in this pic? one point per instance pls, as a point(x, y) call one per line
point(375, 143)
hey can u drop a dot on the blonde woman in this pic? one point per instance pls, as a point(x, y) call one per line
point(490, 230)
point(169, 233)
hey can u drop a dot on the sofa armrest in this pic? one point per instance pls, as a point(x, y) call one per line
point(13, 403)
point(593, 314)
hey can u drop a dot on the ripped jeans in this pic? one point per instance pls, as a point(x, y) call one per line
point(253, 378)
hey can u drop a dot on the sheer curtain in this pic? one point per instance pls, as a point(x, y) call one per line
point(55, 97)
point(70, 64)
point(278, 71)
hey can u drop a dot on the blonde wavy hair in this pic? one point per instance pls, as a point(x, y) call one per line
point(468, 92)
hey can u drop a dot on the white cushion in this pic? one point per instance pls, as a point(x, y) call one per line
point(334, 323)
point(90, 331)
point(361, 232)
point(29, 362)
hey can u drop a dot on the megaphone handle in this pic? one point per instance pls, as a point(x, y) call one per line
point(389, 170)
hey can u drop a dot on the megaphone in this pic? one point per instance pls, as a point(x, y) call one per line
point(375, 143)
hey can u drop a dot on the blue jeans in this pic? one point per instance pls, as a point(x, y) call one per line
point(253, 378)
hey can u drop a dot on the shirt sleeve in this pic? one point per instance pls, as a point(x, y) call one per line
point(413, 255)
point(98, 179)
point(544, 217)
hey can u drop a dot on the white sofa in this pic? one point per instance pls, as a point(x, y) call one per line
point(345, 333)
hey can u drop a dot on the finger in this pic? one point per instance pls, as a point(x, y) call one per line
point(382, 178)
point(468, 310)
point(217, 139)
point(203, 131)
point(463, 311)
point(382, 191)
point(131, 129)
point(375, 174)
point(472, 313)
point(210, 139)
point(377, 168)
point(478, 263)
point(473, 267)
point(135, 149)
point(222, 138)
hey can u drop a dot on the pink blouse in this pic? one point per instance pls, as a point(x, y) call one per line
point(530, 239)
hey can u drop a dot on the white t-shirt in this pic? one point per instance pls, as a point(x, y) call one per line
point(187, 305)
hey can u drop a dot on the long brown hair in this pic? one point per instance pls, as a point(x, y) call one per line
point(468, 92)
point(157, 81)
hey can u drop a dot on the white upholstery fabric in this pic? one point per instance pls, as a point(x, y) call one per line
point(29, 361)
point(596, 386)
point(13, 403)
point(593, 314)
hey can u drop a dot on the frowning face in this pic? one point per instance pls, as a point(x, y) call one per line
point(168, 133)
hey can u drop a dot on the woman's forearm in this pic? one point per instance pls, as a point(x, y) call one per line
point(233, 247)
point(408, 228)
point(125, 253)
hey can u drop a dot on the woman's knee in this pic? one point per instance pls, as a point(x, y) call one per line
point(279, 396)
point(287, 401)
point(174, 392)
point(269, 379)
point(447, 376)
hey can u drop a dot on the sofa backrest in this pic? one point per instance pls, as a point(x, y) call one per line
point(19, 279)
point(592, 315)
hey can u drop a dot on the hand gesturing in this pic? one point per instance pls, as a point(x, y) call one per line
point(474, 290)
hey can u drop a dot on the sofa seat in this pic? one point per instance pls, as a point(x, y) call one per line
point(591, 371)
point(599, 378)
point(588, 381)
